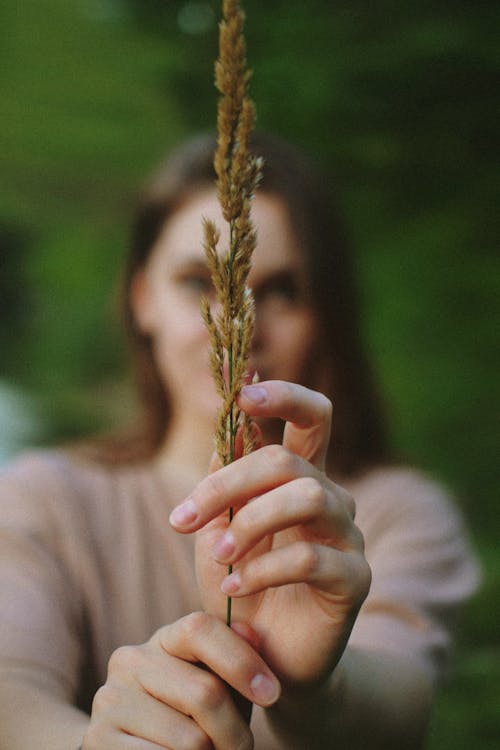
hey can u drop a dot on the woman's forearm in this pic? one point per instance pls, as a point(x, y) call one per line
point(372, 701)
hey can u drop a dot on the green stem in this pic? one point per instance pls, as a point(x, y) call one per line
point(232, 430)
point(231, 459)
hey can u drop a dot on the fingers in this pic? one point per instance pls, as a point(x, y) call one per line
point(159, 694)
point(302, 494)
point(308, 415)
point(237, 483)
point(328, 556)
point(306, 501)
point(140, 721)
point(306, 439)
point(202, 638)
point(343, 576)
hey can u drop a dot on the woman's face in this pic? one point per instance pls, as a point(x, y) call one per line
point(166, 302)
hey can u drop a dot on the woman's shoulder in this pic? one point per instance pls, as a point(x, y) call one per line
point(49, 471)
point(59, 484)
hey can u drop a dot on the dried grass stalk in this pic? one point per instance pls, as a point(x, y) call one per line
point(238, 176)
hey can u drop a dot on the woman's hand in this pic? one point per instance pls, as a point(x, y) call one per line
point(299, 575)
point(158, 695)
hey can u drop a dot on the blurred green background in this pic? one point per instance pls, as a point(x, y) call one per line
point(396, 97)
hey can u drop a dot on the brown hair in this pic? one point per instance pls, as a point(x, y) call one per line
point(359, 432)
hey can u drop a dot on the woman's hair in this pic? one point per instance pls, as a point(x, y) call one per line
point(359, 437)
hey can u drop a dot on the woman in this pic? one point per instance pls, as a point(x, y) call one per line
point(112, 617)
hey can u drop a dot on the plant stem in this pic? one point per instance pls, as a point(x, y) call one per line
point(238, 175)
point(232, 435)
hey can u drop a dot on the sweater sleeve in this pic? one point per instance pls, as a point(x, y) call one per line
point(423, 568)
point(40, 629)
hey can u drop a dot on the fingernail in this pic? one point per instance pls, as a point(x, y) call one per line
point(224, 547)
point(257, 394)
point(184, 514)
point(265, 689)
point(231, 584)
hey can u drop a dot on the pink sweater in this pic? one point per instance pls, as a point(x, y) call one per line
point(89, 562)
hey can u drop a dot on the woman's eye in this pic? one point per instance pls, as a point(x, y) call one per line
point(282, 290)
point(197, 282)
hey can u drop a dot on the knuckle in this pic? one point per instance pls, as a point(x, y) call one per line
point(307, 559)
point(326, 407)
point(360, 578)
point(195, 625)
point(365, 578)
point(160, 635)
point(209, 692)
point(105, 699)
point(281, 459)
point(194, 738)
point(125, 658)
point(349, 503)
point(314, 494)
point(358, 539)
